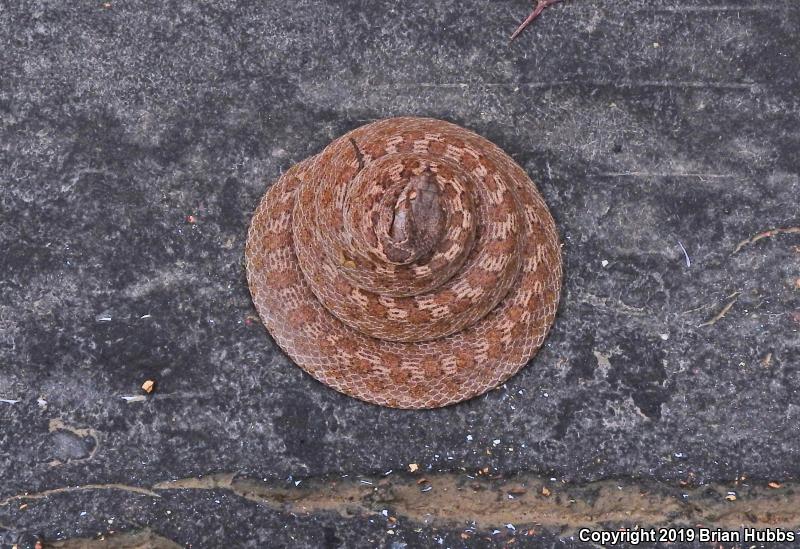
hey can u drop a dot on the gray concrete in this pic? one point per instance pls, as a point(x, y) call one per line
point(646, 123)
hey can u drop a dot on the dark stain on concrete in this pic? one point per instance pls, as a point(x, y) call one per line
point(66, 446)
point(637, 371)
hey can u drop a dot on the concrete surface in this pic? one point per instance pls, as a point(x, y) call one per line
point(137, 137)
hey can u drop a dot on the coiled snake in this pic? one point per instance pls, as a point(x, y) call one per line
point(411, 263)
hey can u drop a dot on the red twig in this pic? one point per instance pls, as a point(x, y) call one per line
point(537, 11)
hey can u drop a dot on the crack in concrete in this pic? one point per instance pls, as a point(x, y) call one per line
point(525, 500)
point(449, 499)
point(143, 539)
point(610, 304)
point(79, 488)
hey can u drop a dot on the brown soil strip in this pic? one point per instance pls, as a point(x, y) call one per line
point(526, 500)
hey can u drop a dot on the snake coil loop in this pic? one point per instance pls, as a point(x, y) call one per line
point(411, 263)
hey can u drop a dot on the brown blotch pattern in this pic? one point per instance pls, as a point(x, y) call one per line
point(449, 324)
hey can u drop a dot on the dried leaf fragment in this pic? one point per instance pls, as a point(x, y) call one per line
point(720, 315)
point(537, 11)
point(765, 234)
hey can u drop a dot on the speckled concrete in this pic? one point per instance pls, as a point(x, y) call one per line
point(648, 124)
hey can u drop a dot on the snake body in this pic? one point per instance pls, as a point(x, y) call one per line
point(411, 263)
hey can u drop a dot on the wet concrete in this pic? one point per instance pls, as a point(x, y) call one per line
point(136, 139)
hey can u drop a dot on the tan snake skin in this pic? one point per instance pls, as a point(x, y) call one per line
point(411, 263)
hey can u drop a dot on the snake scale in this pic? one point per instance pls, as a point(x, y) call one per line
point(411, 264)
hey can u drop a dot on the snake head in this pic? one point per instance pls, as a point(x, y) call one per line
point(418, 220)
